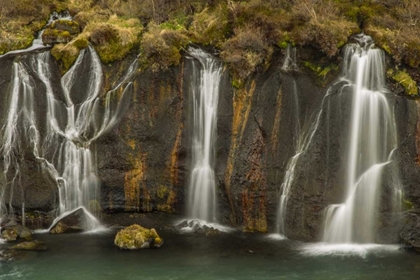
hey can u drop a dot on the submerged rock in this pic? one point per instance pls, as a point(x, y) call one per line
point(74, 222)
point(137, 237)
point(34, 245)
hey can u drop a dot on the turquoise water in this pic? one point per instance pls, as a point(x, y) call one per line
point(189, 256)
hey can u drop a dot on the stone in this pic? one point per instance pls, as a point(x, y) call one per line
point(137, 237)
point(410, 230)
point(9, 234)
point(34, 245)
point(13, 232)
point(76, 221)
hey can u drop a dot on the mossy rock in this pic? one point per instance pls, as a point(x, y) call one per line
point(34, 245)
point(405, 80)
point(9, 234)
point(137, 237)
point(55, 36)
point(66, 25)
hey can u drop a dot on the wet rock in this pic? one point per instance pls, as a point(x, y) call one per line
point(137, 237)
point(410, 230)
point(9, 234)
point(12, 231)
point(34, 245)
point(76, 221)
point(8, 255)
point(196, 226)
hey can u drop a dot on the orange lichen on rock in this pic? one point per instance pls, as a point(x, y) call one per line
point(241, 108)
point(133, 180)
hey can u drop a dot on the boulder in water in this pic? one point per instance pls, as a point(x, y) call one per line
point(77, 221)
point(13, 232)
point(9, 234)
point(34, 245)
point(137, 237)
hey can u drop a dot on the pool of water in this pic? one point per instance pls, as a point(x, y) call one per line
point(224, 256)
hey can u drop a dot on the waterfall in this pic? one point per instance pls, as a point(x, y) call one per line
point(372, 140)
point(205, 94)
point(289, 62)
point(58, 124)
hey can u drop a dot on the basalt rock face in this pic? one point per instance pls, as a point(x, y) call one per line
point(31, 183)
point(408, 118)
point(143, 162)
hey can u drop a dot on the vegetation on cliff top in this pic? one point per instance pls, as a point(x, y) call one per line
point(246, 32)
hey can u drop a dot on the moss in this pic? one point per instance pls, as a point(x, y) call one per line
point(66, 54)
point(237, 83)
point(133, 237)
point(67, 25)
point(405, 80)
point(52, 36)
point(161, 48)
point(114, 39)
point(407, 205)
point(162, 192)
point(317, 69)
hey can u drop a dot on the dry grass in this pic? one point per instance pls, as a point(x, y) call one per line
point(160, 48)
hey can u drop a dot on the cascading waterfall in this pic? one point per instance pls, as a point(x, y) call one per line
point(289, 62)
point(59, 135)
point(371, 145)
point(205, 94)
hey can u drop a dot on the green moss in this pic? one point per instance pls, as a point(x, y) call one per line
point(81, 43)
point(237, 83)
point(177, 23)
point(407, 205)
point(319, 70)
point(283, 44)
point(67, 25)
point(133, 237)
point(56, 36)
point(162, 192)
point(405, 80)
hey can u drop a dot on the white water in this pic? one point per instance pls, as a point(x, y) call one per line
point(59, 135)
point(302, 146)
point(205, 95)
point(37, 43)
point(371, 144)
point(289, 62)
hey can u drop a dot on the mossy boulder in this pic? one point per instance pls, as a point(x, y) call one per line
point(34, 245)
point(60, 31)
point(66, 25)
point(9, 234)
point(13, 232)
point(137, 237)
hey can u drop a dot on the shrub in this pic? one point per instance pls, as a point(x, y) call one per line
point(245, 51)
point(160, 48)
